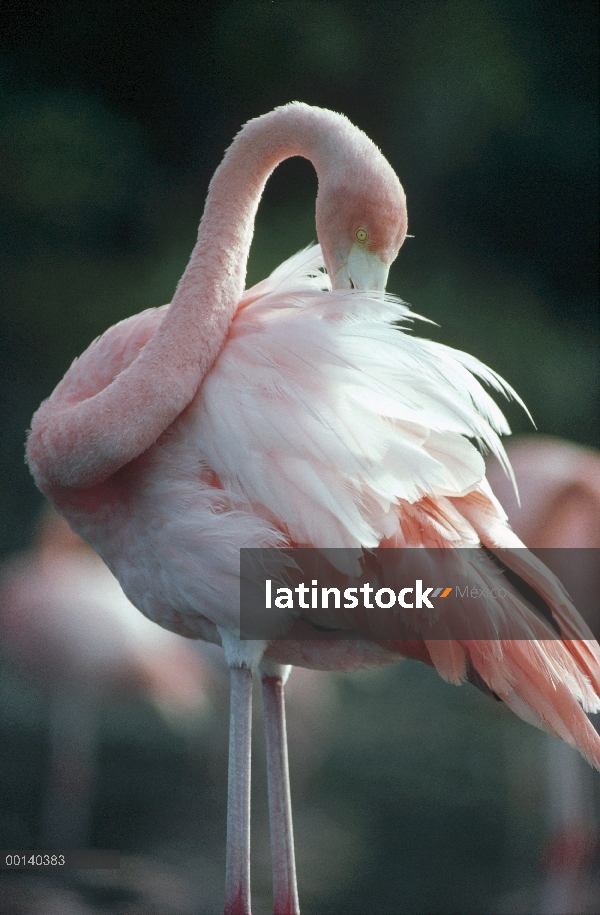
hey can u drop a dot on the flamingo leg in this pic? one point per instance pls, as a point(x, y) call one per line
point(66, 814)
point(237, 877)
point(285, 892)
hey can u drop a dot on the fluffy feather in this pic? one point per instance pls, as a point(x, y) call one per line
point(323, 412)
point(323, 422)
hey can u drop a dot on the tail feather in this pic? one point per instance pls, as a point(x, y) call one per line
point(531, 677)
point(495, 534)
point(541, 681)
point(545, 701)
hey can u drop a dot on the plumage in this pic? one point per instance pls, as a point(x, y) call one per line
point(297, 414)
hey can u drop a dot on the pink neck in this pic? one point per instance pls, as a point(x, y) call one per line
point(214, 280)
point(80, 443)
point(206, 299)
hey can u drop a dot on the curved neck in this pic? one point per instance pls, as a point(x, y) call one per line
point(80, 442)
point(214, 280)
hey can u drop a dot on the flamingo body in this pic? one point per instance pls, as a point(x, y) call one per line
point(559, 490)
point(313, 427)
point(295, 414)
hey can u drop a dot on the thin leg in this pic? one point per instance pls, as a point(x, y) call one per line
point(285, 892)
point(237, 879)
point(68, 799)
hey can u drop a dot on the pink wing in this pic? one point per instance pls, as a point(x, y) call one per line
point(543, 678)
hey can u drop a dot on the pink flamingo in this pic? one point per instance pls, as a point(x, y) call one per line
point(65, 622)
point(559, 490)
point(294, 414)
point(559, 509)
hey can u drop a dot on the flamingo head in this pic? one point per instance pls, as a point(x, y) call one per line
point(361, 224)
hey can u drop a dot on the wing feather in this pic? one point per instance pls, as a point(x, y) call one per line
point(321, 399)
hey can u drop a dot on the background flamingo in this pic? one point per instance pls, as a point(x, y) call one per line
point(168, 454)
point(559, 488)
point(65, 622)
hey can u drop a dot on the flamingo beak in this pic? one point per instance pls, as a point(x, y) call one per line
point(363, 270)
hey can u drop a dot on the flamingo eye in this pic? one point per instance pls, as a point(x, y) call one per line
point(361, 236)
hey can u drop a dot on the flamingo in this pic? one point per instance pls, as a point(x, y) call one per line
point(559, 490)
point(66, 623)
point(296, 413)
point(559, 509)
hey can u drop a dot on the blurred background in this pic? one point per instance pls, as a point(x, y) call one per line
point(409, 795)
